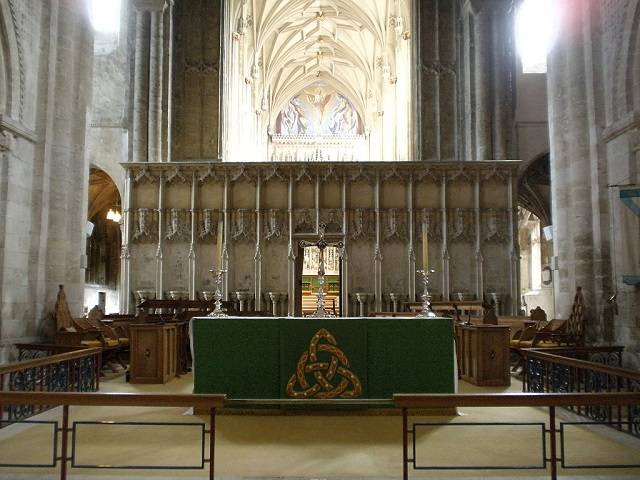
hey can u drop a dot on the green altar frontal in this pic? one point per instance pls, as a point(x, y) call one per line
point(354, 358)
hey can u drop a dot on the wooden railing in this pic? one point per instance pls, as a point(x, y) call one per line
point(551, 460)
point(546, 372)
point(77, 370)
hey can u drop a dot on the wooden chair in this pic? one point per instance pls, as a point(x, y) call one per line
point(568, 332)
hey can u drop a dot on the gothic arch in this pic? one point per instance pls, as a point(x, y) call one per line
point(11, 66)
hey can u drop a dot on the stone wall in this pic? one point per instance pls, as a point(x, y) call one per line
point(184, 219)
point(47, 50)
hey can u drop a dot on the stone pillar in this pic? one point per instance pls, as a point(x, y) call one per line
point(378, 249)
point(155, 86)
point(482, 84)
point(148, 81)
point(502, 49)
point(125, 254)
point(140, 132)
point(572, 140)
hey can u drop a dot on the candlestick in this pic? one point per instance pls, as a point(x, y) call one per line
point(426, 312)
point(218, 311)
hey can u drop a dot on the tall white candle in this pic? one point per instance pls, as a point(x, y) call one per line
point(425, 248)
point(220, 241)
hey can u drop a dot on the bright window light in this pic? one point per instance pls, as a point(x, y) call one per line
point(537, 28)
point(105, 15)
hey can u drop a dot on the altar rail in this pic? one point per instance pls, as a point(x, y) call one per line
point(406, 403)
point(47, 368)
point(587, 369)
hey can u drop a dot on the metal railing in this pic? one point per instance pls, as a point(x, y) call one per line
point(552, 432)
point(46, 370)
point(546, 372)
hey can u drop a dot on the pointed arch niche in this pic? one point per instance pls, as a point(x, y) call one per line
point(325, 80)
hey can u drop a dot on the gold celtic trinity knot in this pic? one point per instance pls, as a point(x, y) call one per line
point(331, 375)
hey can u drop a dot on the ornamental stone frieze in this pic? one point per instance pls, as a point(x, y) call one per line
point(145, 225)
point(324, 171)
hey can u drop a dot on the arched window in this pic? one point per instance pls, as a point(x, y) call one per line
point(105, 15)
point(537, 27)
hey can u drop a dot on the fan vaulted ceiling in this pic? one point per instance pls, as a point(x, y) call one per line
point(349, 44)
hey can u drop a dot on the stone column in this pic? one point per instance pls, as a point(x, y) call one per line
point(571, 171)
point(411, 254)
point(159, 253)
point(125, 254)
point(194, 232)
point(258, 253)
point(502, 59)
point(378, 249)
point(140, 133)
point(148, 81)
point(482, 86)
point(344, 312)
point(155, 86)
point(445, 246)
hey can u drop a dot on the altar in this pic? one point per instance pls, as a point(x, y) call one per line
point(329, 358)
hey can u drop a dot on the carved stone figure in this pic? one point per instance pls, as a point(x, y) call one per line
point(429, 220)
point(331, 219)
point(304, 220)
point(176, 225)
point(243, 224)
point(395, 224)
point(460, 224)
point(494, 224)
point(361, 224)
point(143, 224)
point(274, 225)
point(208, 225)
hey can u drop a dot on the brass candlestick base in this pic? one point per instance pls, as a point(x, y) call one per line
point(427, 311)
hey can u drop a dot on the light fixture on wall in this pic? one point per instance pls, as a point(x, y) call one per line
point(114, 214)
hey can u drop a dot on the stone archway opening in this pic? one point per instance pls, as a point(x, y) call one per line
point(104, 240)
